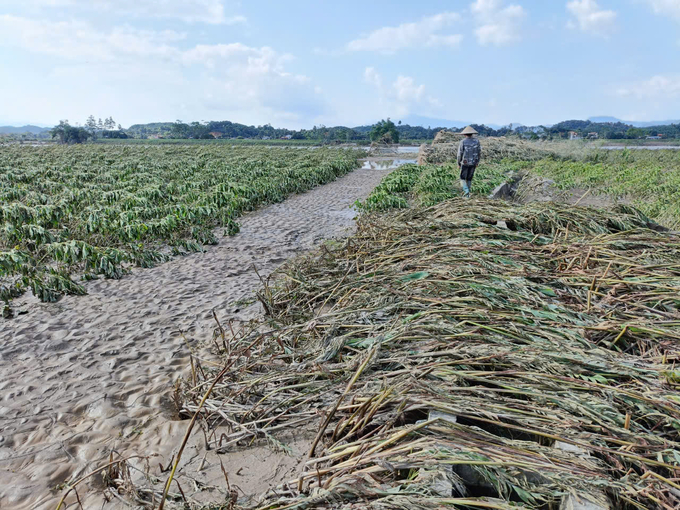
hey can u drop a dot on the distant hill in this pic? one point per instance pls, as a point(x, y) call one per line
point(412, 127)
point(13, 130)
point(614, 120)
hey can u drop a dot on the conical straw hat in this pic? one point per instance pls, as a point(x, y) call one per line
point(469, 131)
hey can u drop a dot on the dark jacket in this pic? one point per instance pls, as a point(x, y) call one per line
point(468, 142)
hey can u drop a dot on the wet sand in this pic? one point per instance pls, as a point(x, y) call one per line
point(89, 374)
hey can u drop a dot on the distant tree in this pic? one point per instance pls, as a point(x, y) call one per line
point(484, 130)
point(120, 128)
point(59, 132)
point(634, 133)
point(91, 126)
point(199, 130)
point(114, 134)
point(68, 134)
point(385, 132)
point(100, 125)
point(179, 130)
point(109, 124)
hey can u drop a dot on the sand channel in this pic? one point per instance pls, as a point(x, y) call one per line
point(89, 374)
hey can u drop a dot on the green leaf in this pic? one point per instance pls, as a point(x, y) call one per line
point(415, 276)
point(672, 376)
point(526, 496)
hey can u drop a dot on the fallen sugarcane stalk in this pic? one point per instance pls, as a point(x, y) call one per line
point(490, 327)
point(190, 427)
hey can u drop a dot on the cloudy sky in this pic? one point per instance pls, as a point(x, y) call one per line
point(296, 63)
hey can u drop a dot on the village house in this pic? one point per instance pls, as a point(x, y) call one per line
point(573, 135)
point(216, 134)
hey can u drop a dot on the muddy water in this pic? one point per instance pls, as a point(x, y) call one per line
point(408, 150)
point(94, 374)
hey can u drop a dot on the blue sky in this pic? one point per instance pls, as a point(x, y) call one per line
point(296, 63)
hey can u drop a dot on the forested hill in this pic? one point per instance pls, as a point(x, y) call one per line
point(613, 130)
point(226, 129)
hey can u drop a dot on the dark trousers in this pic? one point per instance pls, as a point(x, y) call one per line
point(467, 172)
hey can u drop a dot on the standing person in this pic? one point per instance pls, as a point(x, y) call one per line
point(469, 154)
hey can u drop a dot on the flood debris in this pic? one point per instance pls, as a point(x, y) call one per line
point(583, 502)
point(444, 149)
point(457, 363)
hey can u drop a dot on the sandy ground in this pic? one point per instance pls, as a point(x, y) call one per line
point(89, 374)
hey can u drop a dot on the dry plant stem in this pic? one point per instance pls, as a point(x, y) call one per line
point(584, 196)
point(85, 477)
point(193, 421)
point(488, 324)
point(340, 399)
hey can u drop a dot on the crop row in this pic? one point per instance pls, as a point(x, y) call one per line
point(97, 210)
point(648, 179)
point(430, 184)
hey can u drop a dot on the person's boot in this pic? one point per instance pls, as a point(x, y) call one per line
point(466, 189)
point(469, 188)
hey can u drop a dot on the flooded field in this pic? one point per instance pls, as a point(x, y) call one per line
point(408, 150)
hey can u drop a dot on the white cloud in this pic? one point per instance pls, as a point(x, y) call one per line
point(425, 33)
point(189, 11)
point(670, 7)
point(590, 18)
point(406, 90)
point(223, 77)
point(253, 78)
point(434, 102)
point(262, 60)
point(402, 96)
point(75, 40)
point(373, 77)
point(498, 25)
point(657, 87)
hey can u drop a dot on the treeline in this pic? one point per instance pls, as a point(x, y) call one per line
point(612, 130)
point(226, 129)
point(104, 129)
point(67, 134)
point(108, 128)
